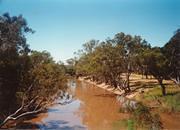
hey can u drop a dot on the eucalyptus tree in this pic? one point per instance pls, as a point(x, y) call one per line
point(103, 63)
point(70, 67)
point(29, 79)
point(48, 76)
point(13, 58)
point(157, 65)
point(172, 52)
point(89, 46)
point(110, 62)
point(82, 65)
point(132, 47)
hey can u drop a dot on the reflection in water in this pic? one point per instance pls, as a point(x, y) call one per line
point(94, 109)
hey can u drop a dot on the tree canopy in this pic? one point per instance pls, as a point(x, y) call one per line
point(112, 61)
point(25, 73)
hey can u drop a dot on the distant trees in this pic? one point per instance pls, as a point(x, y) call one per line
point(112, 61)
point(70, 67)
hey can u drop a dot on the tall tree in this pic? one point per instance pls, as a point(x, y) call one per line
point(157, 65)
point(132, 47)
point(48, 76)
point(13, 49)
point(172, 52)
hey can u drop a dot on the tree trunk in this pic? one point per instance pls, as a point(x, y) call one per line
point(146, 72)
point(142, 73)
point(114, 84)
point(146, 75)
point(162, 87)
point(128, 82)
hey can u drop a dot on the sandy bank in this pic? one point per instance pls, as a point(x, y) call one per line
point(108, 88)
point(137, 82)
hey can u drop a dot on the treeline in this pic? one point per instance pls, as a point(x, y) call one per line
point(28, 79)
point(114, 60)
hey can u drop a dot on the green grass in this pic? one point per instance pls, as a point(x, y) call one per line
point(169, 103)
point(156, 91)
point(130, 124)
point(172, 102)
point(127, 124)
point(145, 118)
point(120, 124)
point(141, 118)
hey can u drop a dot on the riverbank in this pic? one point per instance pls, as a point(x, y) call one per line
point(102, 85)
point(148, 92)
point(138, 84)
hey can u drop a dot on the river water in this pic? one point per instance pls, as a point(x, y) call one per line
point(92, 109)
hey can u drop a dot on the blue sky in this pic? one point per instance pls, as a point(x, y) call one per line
point(62, 26)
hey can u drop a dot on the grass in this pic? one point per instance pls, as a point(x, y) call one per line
point(172, 103)
point(129, 124)
point(142, 118)
point(152, 102)
point(145, 119)
point(168, 103)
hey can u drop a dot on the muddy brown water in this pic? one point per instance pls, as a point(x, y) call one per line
point(93, 109)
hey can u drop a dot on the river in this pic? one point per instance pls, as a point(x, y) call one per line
point(92, 109)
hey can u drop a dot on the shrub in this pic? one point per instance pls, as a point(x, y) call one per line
point(172, 103)
point(142, 118)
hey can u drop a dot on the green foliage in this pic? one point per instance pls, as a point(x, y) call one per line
point(107, 61)
point(48, 76)
point(20, 69)
point(70, 67)
point(156, 63)
point(172, 52)
point(141, 114)
point(130, 124)
point(13, 58)
point(141, 117)
point(145, 119)
point(110, 60)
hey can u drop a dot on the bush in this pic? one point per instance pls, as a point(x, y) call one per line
point(145, 119)
point(172, 103)
point(142, 118)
